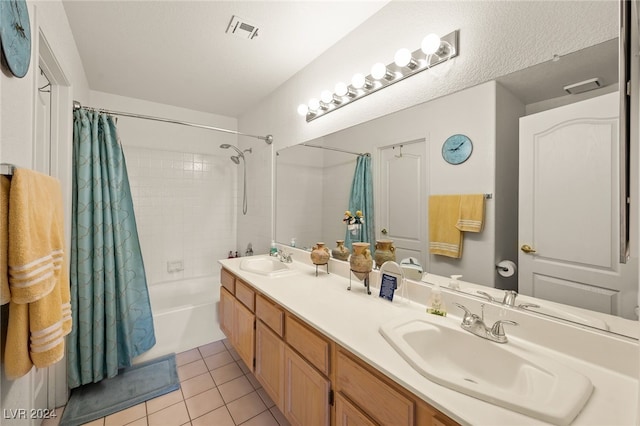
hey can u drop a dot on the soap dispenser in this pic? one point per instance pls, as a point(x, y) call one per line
point(273, 251)
point(454, 283)
point(436, 305)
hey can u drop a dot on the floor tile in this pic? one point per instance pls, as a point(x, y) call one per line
point(244, 408)
point(265, 398)
point(97, 422)
point(234, 389)
point(126, 416)
point(139, 422)
point(263, 419)
point(175, 415)
point(254, 382)
point(187, 357)
point(227, 343)
point(218, 417)
point(243, 367)
point(212, 348)
point(196, 385)
point(234, 354)
point(218, 360)
point(192, 369)
point(204, 402)
point(164, 401)
point(226, 373)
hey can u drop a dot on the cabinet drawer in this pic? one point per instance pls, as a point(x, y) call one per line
point(373, 396)
point(227, 280)
point(245, 294)
point(270, 314)
point(308, 343)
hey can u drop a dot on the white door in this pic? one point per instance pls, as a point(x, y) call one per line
point(568, 207)
point(403, 199)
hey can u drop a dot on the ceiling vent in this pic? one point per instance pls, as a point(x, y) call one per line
point(241, 28)
point(583, 86)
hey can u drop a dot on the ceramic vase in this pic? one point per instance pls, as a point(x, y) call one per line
point(320, 254)
point(384, 251)
point(340, 252)
point(361, 261)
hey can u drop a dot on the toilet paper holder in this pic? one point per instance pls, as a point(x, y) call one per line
point(506, 268)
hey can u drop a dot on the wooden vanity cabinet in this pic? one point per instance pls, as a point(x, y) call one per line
point(306, 374)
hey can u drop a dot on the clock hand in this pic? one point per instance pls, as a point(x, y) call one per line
point(457, 147)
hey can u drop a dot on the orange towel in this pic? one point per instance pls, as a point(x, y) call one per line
point(5, 294)
point(40, 309)
point(444, 238)
point(471, 216)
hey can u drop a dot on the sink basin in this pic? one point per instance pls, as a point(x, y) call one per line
point(500, 374)
point(267, 266)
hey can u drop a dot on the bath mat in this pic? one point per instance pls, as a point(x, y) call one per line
point(130, 387)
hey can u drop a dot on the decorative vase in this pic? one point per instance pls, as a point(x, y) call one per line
point(320, 254)
point(340, 252)
point(384, 251)
point(360, 261)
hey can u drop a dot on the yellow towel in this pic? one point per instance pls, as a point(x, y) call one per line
point(471, 217)
point(444, 238)
point(5, 294)
point(40, 309)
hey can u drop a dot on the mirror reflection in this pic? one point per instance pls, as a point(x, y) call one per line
point(549, 208)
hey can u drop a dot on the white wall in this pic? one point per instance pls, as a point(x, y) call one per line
point(17, 97)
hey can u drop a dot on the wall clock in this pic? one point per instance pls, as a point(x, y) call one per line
point(457, 149)
point(15, 35)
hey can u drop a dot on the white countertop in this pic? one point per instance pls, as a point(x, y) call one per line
point(352, 319)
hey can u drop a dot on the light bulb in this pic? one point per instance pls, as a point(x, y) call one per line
point(341, 89)
point(314, 104)
point(303, 109)
point(326, 96)
point(430, 44)
point(379, 70)
point(403, 57)
point(358, 80)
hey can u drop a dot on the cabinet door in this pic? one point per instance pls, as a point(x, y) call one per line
point(244, 333)
point(270, 363)
point(348, 415)
point(306, 399)
point(226, 313)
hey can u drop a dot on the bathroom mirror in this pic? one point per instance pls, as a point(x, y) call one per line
point(322, 177)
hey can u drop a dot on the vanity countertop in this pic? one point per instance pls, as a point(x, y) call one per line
point(352, 319)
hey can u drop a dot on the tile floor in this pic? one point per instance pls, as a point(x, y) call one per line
point(216, 389)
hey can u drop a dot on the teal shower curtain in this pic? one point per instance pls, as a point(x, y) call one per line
point(112, 320)
point(361, 198)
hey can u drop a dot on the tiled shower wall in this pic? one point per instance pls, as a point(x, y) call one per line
point(185, 207)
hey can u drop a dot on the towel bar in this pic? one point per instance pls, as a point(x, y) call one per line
point(7, 169)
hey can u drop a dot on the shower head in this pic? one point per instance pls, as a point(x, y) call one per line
point(227, 146)
point(235, 159)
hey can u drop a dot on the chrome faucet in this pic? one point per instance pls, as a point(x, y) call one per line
point(284, 257)
point(474, 324)
point(509, 299)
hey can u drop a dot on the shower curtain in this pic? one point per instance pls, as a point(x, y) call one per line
point(361, 198)
point(112, 320)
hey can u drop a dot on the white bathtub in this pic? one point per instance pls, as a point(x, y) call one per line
point(185, 315)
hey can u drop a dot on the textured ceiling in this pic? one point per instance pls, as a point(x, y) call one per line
point(178, 53)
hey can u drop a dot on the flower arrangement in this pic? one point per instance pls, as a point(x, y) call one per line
point(349, 219)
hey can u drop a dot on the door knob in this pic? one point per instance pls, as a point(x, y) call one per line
point(527, 249)
point(384, 231)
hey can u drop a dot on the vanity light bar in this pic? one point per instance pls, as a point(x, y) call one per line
point(383, 76)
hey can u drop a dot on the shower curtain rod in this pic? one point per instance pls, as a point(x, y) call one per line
point(335, 149)
point(268, 139)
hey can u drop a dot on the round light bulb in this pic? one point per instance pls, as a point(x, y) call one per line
point(314, 104)
point(378, 70)
point(303, 109)
point(358, 81)
point(326, 96)
point(341, 89)
point(402, 57)
point(430, 44)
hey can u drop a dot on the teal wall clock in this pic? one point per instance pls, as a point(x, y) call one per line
point(15, 35)
point(457, 149)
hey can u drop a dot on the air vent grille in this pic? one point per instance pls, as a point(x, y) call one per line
point(241, 28)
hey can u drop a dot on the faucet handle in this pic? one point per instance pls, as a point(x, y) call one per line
point(487, 295)
point(528, 305)
point(498, 331)
point(468, 315)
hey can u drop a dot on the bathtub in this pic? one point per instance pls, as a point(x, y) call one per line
point(185, 315)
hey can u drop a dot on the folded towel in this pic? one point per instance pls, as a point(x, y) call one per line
point(444, 238)
point(471, 215)
point(40, 309)
point(5, 294)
